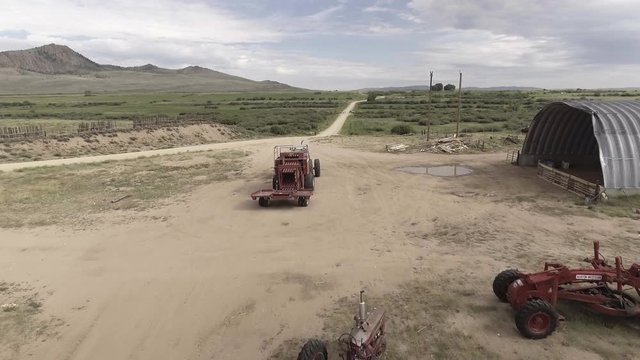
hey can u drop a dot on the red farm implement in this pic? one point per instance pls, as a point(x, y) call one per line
point(603, 289)
point(365, 341)
point(293, 178)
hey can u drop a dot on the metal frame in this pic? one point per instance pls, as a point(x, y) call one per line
point(288, 159)
point(598, 288)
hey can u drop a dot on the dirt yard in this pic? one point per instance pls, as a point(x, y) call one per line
point(214, 276)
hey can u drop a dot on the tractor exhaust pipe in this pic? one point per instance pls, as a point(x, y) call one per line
point(362, 313)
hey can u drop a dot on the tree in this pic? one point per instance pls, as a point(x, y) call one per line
point(449, 87)
point(371, 97)
point(437, 87)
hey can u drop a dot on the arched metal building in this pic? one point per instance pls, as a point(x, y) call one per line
point(604, 135)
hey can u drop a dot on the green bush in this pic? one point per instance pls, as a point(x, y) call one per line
point(402, 130)
point(277, 130)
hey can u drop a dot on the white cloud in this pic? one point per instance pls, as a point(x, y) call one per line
point(286, 70)
point(547, 43)
point(152, 20)
point(324, 14)
point(481, 47)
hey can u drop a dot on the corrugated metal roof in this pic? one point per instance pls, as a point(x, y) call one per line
point(566, 128)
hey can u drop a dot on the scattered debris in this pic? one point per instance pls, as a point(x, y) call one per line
point(636, 210)
point(448, 145)
point(9, 307)
point(396, 147)
point(120, 198)
point(510, 139)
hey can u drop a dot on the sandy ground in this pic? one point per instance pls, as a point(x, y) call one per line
point(221, 278)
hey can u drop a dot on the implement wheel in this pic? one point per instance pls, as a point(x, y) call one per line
point(316, 167)
point(303, 201)
point(537, 319)
point(502, 281)
point(309, 181)
point(313, 350)
point(263, 201)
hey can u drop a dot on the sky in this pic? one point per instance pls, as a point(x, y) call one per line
point(349, 44)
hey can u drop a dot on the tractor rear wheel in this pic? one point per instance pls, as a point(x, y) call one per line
point(537, 319)
point(309, 181)
point(316, 167)
point(502, 281)
point(263, 201)
point(313, 350)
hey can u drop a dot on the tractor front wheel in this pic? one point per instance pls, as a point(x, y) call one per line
point(502, 281)
point(313, 350)
point(537, 319)
point(263, 201)
point(303, 201)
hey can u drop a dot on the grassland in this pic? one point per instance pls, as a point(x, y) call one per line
point(21, 320)
point(482, 111)
point(253, 114)
point(65, 195)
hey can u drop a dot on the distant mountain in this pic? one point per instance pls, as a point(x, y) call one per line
point(503, 88)
point(59, 69)
point(48, 59)
point(426, 87)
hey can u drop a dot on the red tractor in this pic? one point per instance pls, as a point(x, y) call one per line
point(602, 289)
point(294, 176)
point(365, 341)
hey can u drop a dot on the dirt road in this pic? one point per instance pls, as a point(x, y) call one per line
point(213, 276)
point(333, 129)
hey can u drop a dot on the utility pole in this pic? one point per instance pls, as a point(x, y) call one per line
point(459, 104)
point(429, 112)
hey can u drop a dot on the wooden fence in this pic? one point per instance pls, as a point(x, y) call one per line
point(34, 132)
point(513, 156)
point(22, 132)
point(97, 127)
point(165, 121)
point(568, 182)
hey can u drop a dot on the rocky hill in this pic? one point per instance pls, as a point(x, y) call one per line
point(48, 59)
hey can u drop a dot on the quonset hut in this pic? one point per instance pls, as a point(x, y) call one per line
point(598, 141)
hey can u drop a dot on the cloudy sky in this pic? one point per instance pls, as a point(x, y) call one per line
point(349, 44)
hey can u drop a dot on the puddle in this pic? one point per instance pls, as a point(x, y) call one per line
point(446, 170)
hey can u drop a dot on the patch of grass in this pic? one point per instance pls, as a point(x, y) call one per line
point(49, 195)
point(611, 338)
point(22, 323)
point(619, 206)
point(416, 324)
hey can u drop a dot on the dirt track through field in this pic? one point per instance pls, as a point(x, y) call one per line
point(333, 129)
point(214, 276)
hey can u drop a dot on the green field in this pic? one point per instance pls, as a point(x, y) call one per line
point(299, 113)
point(253, 114)
point(482, 111)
